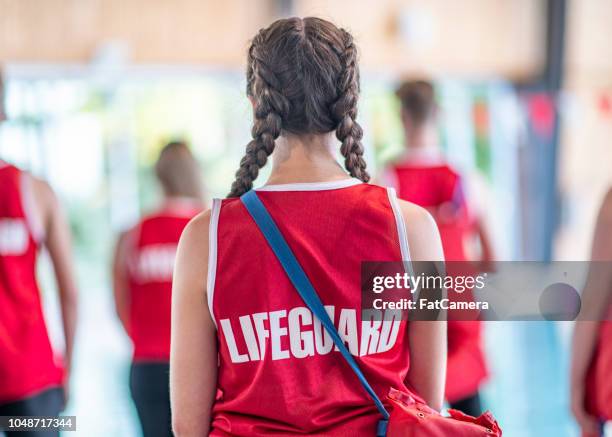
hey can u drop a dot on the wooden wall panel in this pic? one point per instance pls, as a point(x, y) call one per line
point(160, 31)
point(501, 37)
point(589, 47)
point(482, 37)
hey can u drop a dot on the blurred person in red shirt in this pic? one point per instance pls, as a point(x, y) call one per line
point(142, 272)
point(423, 176)
point(33, 377)
point(591, 367)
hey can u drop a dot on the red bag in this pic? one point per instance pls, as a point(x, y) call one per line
point(411, 417)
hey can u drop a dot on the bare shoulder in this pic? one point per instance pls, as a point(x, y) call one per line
point(417, 216)
point(198, 227)
point(422, 232)
point(191, 268)
point(194, 240)
point(46, 208)
point(122, 240)
point(605, 212)
point(43, 193)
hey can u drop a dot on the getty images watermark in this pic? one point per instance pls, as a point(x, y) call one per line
point(477, 291)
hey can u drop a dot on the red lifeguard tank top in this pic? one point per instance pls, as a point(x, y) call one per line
point(27, 363)
point(279, 372)
point(151, 254)
point(433, 184)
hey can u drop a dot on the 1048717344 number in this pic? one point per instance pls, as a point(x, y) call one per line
point(37, 423)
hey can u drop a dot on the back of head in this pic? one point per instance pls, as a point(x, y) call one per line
point(418, 101)
point(303, 78)
point(178, 171)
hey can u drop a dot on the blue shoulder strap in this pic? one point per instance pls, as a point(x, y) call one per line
point(300, 281)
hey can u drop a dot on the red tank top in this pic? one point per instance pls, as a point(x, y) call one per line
point(279, 372)
point(27, 363)
point(152, 250)
point(599, 382)
point(438, 187)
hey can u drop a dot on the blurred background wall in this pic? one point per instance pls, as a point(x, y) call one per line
point(95, 87)
point(586, 152)
point(471, 36)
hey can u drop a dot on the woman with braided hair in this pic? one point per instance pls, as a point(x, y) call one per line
point(247, 356)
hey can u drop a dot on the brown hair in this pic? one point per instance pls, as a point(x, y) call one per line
point(303, 78)
point(418, 100)
point(178, 171)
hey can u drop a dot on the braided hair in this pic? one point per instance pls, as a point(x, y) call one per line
point(349, 132)
point(303, 78)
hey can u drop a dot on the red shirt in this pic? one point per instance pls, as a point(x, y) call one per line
point(599, 381)
point(152, 250)
point(27, 363)
point(438, 188)
point(435, 185)
point(279, 373)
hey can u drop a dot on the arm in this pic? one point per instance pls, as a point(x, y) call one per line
point(595, 299)
point(487, 254)
point(478, 196)
point(193, 352)
point(121, 291)
point(427, 339)
point(59, 246)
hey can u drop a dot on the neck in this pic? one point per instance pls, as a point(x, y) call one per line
point(180, 200)
point(305, 158)
point(425, 137)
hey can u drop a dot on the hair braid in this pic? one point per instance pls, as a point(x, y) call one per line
point(303, 79)
point(270, 108)
point(344, 110)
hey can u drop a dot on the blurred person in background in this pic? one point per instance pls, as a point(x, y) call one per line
point(591, 366)
point(33, 378)
point(255, 340)
point(142, 272)
point(423, 176)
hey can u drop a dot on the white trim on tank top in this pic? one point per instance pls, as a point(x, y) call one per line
point(402, 234)
point(212, 255)
point(312, 186)
point(400, 223)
